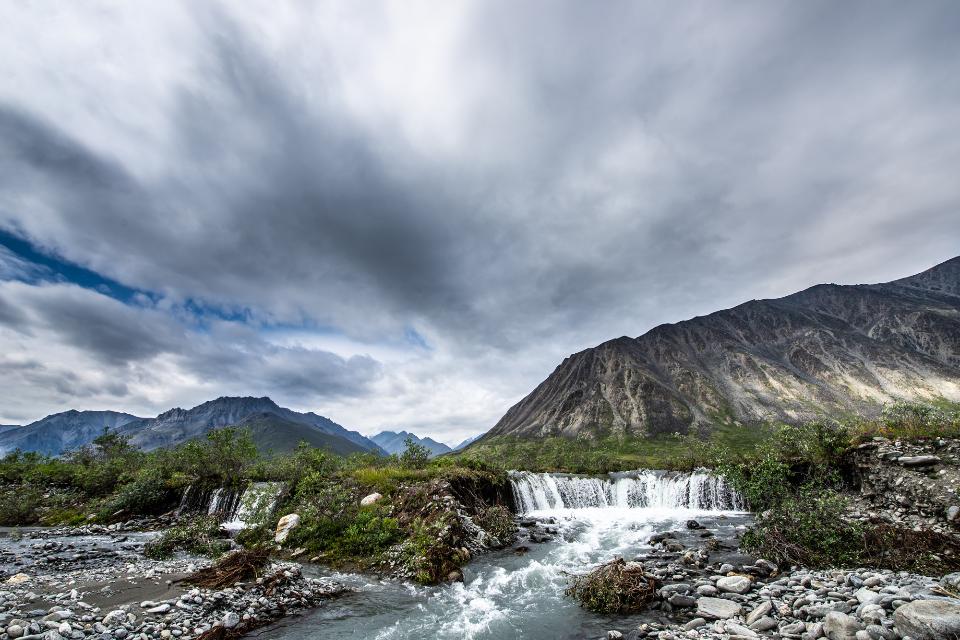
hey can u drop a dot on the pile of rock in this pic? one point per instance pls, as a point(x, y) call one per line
point(916, 484)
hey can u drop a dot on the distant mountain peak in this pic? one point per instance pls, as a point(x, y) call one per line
point(60, 432)
point(396, 442)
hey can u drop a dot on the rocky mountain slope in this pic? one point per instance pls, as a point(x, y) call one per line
point(395, 442)
point(828, 350)
point(274, 428)
point(62, 431)
point(468, 442)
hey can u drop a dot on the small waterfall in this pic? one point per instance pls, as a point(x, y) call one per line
point(699, 490)
point(257, 502)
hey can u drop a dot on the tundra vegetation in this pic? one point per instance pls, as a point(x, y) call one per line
point(792, 476)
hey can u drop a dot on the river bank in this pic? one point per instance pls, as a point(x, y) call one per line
point(70, 583)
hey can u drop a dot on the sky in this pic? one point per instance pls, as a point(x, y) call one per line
point(404, 215)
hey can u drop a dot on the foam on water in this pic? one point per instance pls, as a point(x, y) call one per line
point(522, 596)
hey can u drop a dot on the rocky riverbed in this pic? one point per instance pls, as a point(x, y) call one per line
point(752, 600)
point(95, 583)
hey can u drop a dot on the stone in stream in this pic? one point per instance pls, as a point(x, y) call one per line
point(734, 584)
point(717, 608)
point(840, 626)
point(928, 620)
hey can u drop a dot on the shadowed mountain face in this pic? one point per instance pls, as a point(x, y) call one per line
point(274, 428)
point(394, 442)
point(179, 425)
point(828, 350)
point(61, 431)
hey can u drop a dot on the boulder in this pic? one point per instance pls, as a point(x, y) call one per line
point(230, 620)
point(928, 620)
point(18, 578)
point(717, 608)
point(866, 596)
point(953, 512)
point(840, 626)
point(370, 499)
point(734, 584)
point(286, 524)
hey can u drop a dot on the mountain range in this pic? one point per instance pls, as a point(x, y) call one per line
point(829, 350)
point(395, 442)
point(274, 428)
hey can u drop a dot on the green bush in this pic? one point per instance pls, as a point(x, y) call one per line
point(371, 532)
point(148, 494)
point(19, 506)
point(414, 456)
point(810, 528)
point(201, 536)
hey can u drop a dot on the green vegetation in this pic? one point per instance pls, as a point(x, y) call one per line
point(414, 525)
point(794, 482)
point(201, 536)
point(612, 453)
point(790, 474)
point(614, 587)
point(110, 480)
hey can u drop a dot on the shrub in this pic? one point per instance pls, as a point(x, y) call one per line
point(201, 536)
point(809, 529)
point(614, 587)
point(499, 524)
point(414, 456)
point(148, 493)
point(371, 532)
point(19, 506)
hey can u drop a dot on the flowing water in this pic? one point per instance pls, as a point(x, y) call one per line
point(235, 508)
point(507, 595)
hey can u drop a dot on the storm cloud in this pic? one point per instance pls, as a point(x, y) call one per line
point(406, 214)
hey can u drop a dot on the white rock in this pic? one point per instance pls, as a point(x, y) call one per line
point(734, 584)
point(18, 578)
point(287, 524)
point(230, 620)
point(735, 629)
point(370, 499)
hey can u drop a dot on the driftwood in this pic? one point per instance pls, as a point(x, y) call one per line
point(231, 569)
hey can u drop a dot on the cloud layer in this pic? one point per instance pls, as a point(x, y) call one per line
point(405, 214)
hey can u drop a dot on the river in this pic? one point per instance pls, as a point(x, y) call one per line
point(508, 595)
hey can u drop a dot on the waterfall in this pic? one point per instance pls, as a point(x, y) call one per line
point(699, 490)
point(257, 503)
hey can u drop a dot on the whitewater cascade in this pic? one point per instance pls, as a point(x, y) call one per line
point(234, 507)
point(699, 490)
point(258, 502)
